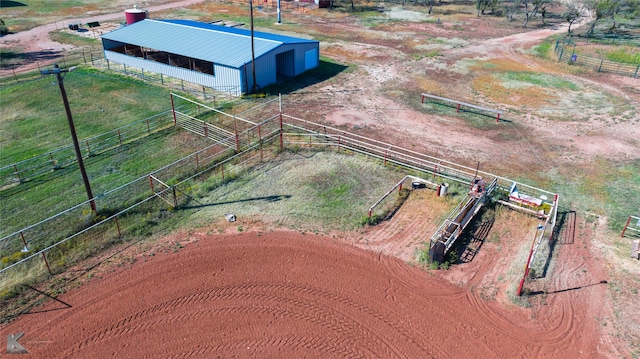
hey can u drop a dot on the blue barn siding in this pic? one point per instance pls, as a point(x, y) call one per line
point(299, 56)
point(267, 66)
point(266, 69)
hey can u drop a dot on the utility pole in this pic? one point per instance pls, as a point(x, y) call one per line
point(253, 54)
point(279, 16)
point(58, 72)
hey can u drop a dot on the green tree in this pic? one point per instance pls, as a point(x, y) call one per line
point(609, 8)
point(572, 15)
point(483, 5)
point(533, 7)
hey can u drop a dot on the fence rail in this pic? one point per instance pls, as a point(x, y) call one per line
point(33, 167)
point(174, 182)
point(633, 225)
point(171, 82)
point(600, 65)
point(306, 133)
point(162, 183)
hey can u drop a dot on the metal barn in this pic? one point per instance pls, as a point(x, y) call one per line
point(210, 55)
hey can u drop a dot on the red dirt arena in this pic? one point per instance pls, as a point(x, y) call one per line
point(284, 294)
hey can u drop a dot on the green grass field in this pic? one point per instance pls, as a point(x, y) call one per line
point(33, 121)
point(33, 118)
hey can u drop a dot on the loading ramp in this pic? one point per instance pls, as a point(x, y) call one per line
point(448, 233)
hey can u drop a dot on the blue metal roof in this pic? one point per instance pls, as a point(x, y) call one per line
point(218, 44)
point(238, 31)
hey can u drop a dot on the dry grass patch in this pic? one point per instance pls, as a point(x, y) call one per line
point(429, 86)
point(493, 88)
point(451, 11)
point(216, 7)
point(343, 54)
point(500, 64)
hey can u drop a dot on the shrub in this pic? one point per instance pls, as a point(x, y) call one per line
point(371, 221)
point(542, 50)
point(3, 28)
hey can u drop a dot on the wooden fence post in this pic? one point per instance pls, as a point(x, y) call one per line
point(46, 262)
point(175, 198)
point(15, 168)
point(625, 226)
point(117, 226)
point(260, 141)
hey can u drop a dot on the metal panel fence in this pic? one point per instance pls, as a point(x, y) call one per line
point(300, 132)
point(600, 65)
point(37, 240)
point(59, 158)
point(632, 226)
point(254, 141)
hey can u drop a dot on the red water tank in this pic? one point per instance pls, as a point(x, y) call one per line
point(135, 15)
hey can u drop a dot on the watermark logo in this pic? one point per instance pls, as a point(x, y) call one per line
point(13, 347)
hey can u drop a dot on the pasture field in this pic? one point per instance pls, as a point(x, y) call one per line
point(33, 122)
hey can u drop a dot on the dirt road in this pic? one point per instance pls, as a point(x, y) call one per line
point(39, 48)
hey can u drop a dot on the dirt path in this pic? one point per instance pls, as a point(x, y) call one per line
point(35, 43)
point(285, 294)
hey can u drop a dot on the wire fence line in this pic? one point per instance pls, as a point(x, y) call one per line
point(127, 211)
point(29, 243)
point(566, 53)
point(94, 57)
point(173, 83)
point(86, 56)
point(33, 167)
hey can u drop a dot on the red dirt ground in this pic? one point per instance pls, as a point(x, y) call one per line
point(284, 294)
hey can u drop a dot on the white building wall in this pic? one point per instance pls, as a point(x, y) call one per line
point(225, 79)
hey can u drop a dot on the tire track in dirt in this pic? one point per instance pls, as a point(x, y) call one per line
point(282, 294)
point(401, 274)
point(404, 233)
point(316, 307)
point(333, 347)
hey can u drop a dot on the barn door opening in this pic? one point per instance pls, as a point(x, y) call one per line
point(285, 66)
